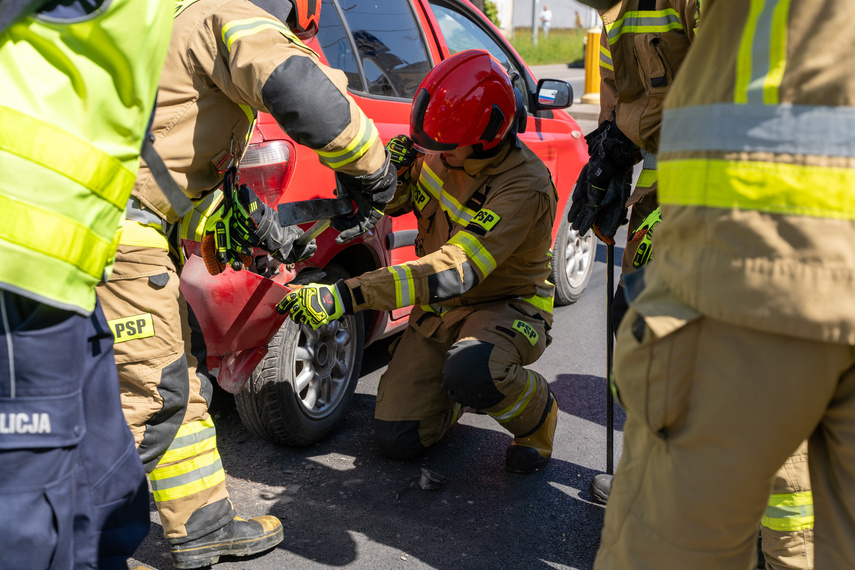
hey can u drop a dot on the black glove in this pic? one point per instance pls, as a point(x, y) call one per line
point(601, 184)
point(378, 187)
point(612, 211)
point(367, 215)
point(402, 154)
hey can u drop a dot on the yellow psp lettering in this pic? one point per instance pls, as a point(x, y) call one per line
point(527, 331)
point(487, 219)
point(132, 328)
point(419, 198)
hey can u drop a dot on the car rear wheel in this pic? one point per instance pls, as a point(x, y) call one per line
point(572, 262)
point(301, 389)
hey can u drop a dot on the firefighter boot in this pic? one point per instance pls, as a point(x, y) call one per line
point(601, 487)
point(239, 537)
point(532, 452)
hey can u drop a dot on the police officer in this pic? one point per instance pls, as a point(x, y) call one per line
point(226, 61)
point(482, 303)
point(79, 83)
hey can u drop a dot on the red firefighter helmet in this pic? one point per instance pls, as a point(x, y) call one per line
point(468, 99)
point(304, 17)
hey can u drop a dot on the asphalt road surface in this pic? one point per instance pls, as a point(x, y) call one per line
point(343, 505)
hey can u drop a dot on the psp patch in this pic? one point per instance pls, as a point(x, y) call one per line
point(487, 219)
point(132, 328)
point(527, 331)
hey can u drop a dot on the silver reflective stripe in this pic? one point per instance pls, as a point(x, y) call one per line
point(760, 54)
point(649, 160)
point(197, 474)
point(10, 349)
point(402, 285)
point(641, 22)
point(780, 129)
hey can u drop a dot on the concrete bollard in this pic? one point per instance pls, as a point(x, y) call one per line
point(592, 68)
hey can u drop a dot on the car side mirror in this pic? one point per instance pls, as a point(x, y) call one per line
point(553, 94)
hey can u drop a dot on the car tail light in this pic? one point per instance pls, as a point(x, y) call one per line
point(267, 168)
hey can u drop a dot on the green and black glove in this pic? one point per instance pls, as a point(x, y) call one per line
point(402, 154)
point(315, 304)
point(244, 222)
point(644, 234)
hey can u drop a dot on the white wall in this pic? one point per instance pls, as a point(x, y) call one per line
point(563, 13)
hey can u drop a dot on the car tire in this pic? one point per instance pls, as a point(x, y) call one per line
point(301, 389)
point(572, 262)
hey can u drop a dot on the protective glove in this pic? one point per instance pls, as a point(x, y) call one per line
point(370, 194)
point(612, 156)
point(402, 154)
point(377, 187)
point(244, 222)
point(644, 234)
point(612, 211)
point(365, 217)
point(314, 304)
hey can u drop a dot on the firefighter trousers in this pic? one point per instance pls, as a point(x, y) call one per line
point(786, 529)
point(713, 411)
point(72, 489)
point(166, 391)
point(467, 357)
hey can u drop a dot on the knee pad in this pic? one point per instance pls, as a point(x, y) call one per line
point(398, 439)
point(466, 375)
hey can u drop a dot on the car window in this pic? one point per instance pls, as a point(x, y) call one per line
point(461, 32)
point(392, 54)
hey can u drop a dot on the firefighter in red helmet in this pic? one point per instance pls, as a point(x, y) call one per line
point(482, 305)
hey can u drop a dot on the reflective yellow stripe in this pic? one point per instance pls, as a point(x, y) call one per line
point(194, 224)
point(542, 303)
point(647, 178)
point(192, 439)
point(55, 236)
point(64, 153)
point(135, 233)
point(475, 250)
point(432, 183)
point(776, 188)
point(187, 478)
point(762, 55)
point(237, 29)
point(405, 291)
point(606, 58)
point(644, 21)
point(788, 512)
point(360, 144)
point(519, 404)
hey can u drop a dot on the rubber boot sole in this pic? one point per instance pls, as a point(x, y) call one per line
point(208, 555)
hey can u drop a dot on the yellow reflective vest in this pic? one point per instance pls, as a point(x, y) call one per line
point(757, 169)
point(78, 90)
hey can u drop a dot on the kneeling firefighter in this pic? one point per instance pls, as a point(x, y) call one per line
point(226, 61)
point(485, 205)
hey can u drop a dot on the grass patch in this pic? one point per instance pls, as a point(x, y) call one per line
point(563, 46)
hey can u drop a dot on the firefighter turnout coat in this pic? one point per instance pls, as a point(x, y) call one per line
point(484, 302)
point(227, 60)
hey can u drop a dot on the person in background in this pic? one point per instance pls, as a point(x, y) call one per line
point(546, 20)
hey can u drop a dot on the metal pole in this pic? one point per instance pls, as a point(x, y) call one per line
point(610, 344)
point(534, 23)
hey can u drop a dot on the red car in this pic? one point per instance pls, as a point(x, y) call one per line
point(300, 381)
